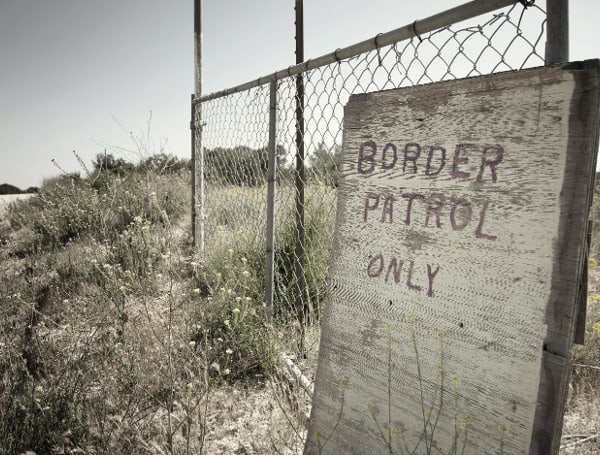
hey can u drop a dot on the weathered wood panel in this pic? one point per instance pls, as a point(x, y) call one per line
point(457, 264)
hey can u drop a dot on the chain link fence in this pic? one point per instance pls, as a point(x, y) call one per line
point(234, 134)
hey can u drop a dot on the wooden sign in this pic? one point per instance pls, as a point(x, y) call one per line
point(457, 264)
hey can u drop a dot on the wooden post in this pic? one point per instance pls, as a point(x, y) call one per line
point(557, 51)
point(557, 33)
point(198, 161)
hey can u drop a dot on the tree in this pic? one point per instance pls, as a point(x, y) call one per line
point(7, 188)
point(242, 165)
point(164, 163)
point(108, 163)
point(324, 164)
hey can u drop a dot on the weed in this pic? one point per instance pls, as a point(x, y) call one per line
point(114, 338)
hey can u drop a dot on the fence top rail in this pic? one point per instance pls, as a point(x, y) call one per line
point(416, 28)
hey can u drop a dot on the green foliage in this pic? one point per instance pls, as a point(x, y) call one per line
point(234, 324)
point(241, 165)
point(110, 336)
point(109, 163)
point(324, 164)
point(163, 163)
point(74, 260)
point(319, 220)
point(595, 217)
point(239, 224)
point(438, 401)
point(586, 380)
point(69, 207)
point(6, 188)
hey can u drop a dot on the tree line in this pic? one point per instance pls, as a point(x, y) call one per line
point(242, 165)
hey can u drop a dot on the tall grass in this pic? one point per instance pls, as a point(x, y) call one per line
point(236, 221)
point(105, 345)
point(113, 334)
point(115, 337)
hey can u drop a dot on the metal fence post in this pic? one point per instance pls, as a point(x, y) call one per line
point(272, 170)
point(193, 166)
point(198, 159)
point(557, 32)
point(300, 250)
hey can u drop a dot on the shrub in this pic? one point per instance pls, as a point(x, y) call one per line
point(233, 322)
point(110, 164)
point(69, 207)
point(164, 164)
point(319, 221)
point(110, 336)
point(6, 188)
point(586, 358)
point(324, 164)
point(241, 165)
point(77, 356)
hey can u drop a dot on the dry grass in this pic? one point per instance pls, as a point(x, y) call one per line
point(582, 418)
point(117, 340)
point(7, 199)
point(582, 422)
point(113, 339)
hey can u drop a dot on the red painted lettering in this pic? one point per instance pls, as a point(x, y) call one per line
point(466, 218)
point(412, 152)
point(479, 232)
point(458, 159)
point(371, 197)
point(366, 154)
point(375, 266)
point(434, 206)
point(388, 209)
point(432, 149)
point(411, 197)
point(492, 163)
point(430, 276)
point(386, 149)
point(409, 282)
point(394, 267)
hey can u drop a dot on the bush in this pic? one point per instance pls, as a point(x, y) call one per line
point(164, 164)
point(239, 225)
point(69, 207)
point(242, 166)
point(324, 164)
point(109, 164)
point(233, 322)
point(71, 272)
point(586, 358)
point(111, 336)
point(6, 188)
point(319, 221)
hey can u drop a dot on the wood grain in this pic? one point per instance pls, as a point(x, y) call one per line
point(457, 263)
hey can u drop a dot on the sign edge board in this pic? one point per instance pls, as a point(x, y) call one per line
point(556, 357)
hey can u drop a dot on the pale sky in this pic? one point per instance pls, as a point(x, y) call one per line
point(82, 74)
